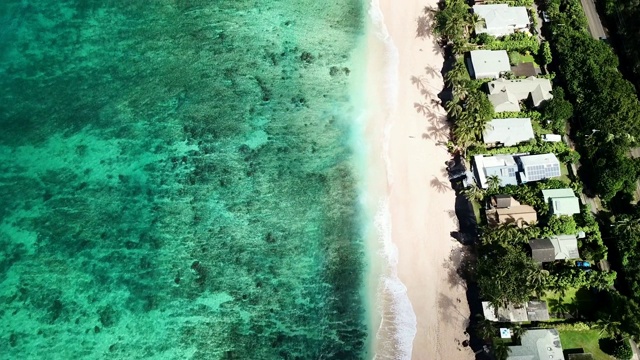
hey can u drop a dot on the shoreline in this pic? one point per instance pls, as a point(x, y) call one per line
point(420, 309)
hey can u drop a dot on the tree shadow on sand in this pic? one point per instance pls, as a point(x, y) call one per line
point(438, 133)
point(432, 71)
point(459, 266)
point(426, 109)
point(450, 310)
point(425, 22)
point(439, 185)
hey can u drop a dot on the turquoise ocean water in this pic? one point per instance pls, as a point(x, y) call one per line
point(177, 180)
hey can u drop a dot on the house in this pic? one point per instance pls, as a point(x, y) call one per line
point(488, 64)
point(561, 201)
point(530, 311)
point(538, 344)
point(565, 247)
point(521, 215)
point(503, 209)
point(559, 247)
point(508, 132)
point(502, 166)
point(542, 250)
point(538, 167)
point(501, 19)
point(505, 95)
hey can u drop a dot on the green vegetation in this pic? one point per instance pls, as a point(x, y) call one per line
point(587, 340)
point(605, 104)
point(517, 58)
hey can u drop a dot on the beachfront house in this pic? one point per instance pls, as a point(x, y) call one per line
point(508, 132)
point(558, 247)
point(488, 64)
point(502, 166)
point(561, 201)
point(501, 19)
point(538, 344)
point(503, 209)
point(530, 311)
point(538, 167)
point(506, 95)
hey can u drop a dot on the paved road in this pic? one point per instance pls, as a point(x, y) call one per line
point(595, 25)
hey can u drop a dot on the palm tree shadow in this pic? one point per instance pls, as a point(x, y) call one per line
point(439, 185)
point(418, 82)
point(424, 25)
point(432, 71)
point(438, 133)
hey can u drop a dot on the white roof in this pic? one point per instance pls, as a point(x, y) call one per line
point(538, 167)
point(508, 132)
point(501, 19)
point(563, 201)
point(520, 89)
point(489, 63)
point(566, 247)
point(551, 137)
point(540, 159)
point(482, 162)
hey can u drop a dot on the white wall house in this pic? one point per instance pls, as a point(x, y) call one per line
point(501, 19)
point(488, 64)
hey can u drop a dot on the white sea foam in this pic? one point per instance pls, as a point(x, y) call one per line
point(398, 325)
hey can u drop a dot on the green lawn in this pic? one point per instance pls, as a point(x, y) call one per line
point(587, 340)
point(517, 58)
point(573, 301)
point(564, 173)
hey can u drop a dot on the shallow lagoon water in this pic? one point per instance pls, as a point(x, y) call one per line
point(177, 180)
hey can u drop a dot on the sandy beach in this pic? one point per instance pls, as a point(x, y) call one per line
point(406, 128)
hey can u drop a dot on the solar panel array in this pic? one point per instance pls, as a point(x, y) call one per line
point(539, 172)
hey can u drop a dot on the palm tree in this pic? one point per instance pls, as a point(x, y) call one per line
point(474, 192)
point(472, 21)
point(460, 90)
point(484, 328)
point(500, 350)
point(518, 330)
point(608, 326)
point(454, 109)
point(627, 225)
point(456, 74)
point(493, 182)
point(537, 280)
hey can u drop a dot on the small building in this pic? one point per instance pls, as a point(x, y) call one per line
point(488, 64)
point(508, 132)
point(538, 167)
point(551, 138)
point(501, 19)
point(561, 201)
point(530, 311)
point(502, 201)
point(558, 247)
point(565, 247)
point(505, 95)
point(538, 344)
point(502, 166)
point(542, 250)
